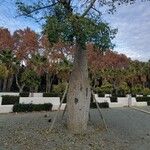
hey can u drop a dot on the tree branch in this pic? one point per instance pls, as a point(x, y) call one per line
point(88, 8)
point(36, 9)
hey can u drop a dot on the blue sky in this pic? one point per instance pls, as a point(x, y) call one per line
point(132, 21)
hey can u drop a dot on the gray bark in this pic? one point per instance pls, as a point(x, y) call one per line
point(79, 93)
point(4, 85)
point(18, 85)
point(9, 83)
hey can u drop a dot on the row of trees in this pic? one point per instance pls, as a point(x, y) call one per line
point(29, 62)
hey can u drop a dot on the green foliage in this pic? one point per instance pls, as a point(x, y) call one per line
point(146, 91)
point(24, 94)
point(10, 100)
point(137, 89)
point(30, 78)
point(106, 88)
point(90, 29)
point(32, 107)
point(60, 88)
point(123, 88)
point(3, 71)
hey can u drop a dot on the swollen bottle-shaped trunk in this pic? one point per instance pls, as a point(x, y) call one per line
point(78, 98)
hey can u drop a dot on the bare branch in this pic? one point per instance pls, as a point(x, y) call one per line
point(37, 9)
point(96, 10)
point(88, 8)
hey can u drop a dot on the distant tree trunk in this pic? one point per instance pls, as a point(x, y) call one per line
point(0, 85)
point(18, 85)
point(9, 83)
point(78, 97)
point(4, 85)
point(49, 81)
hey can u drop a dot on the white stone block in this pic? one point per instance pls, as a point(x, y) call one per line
point(123, 100)
point(113, 105)
point(139, 104)
point(55, 107)
point(107, 95)
point(40, 100)
point(8, 93)
point(103, 99)
point(6, 108)
point(139, 95)
point(36, 95)
point(0, 100)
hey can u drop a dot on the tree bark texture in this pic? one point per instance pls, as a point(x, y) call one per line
point(79, 93)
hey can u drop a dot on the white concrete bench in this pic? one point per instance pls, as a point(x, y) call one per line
point(39, 100)
point(139, 104)
point(108, 95)
point(139, 95)
point(8, 93)
point(6, 108)
point(123, 100)
point(113, 105)
point(103, 99)
point(36, 95)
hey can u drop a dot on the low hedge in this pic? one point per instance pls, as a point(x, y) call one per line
point(51, 95)
point(101, 105)
point(101, 95)
point(24, 94)
point(143, 99)
point(113, 99)
point(10, 100)
point(32, 107)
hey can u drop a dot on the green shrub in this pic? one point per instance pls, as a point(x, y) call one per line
point(143, 99)
point(10, 100)
point(123, 88)
point(51, 94)
point(101, 105)
point(101, 94)
point(106, 88)
point(24, 94)
point(113, 99)
point(32, 107)
point(137, 89)
point(60, 88)
point(146, 91)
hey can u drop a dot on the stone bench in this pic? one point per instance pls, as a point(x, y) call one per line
point(8, 93)
point(6, 108)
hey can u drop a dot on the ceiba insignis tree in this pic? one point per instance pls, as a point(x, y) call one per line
point(76, 23)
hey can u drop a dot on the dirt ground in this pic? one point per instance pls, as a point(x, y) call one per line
point(129, 129)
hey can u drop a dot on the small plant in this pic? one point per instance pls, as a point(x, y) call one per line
point(10, 100)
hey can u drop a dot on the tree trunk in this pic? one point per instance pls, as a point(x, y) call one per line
point(79, 93)
point(47, 82)
point(4, 84)
point(18, 85)
point(9, 83)
point(0, 85)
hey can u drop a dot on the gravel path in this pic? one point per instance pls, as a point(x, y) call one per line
point(128, 130)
